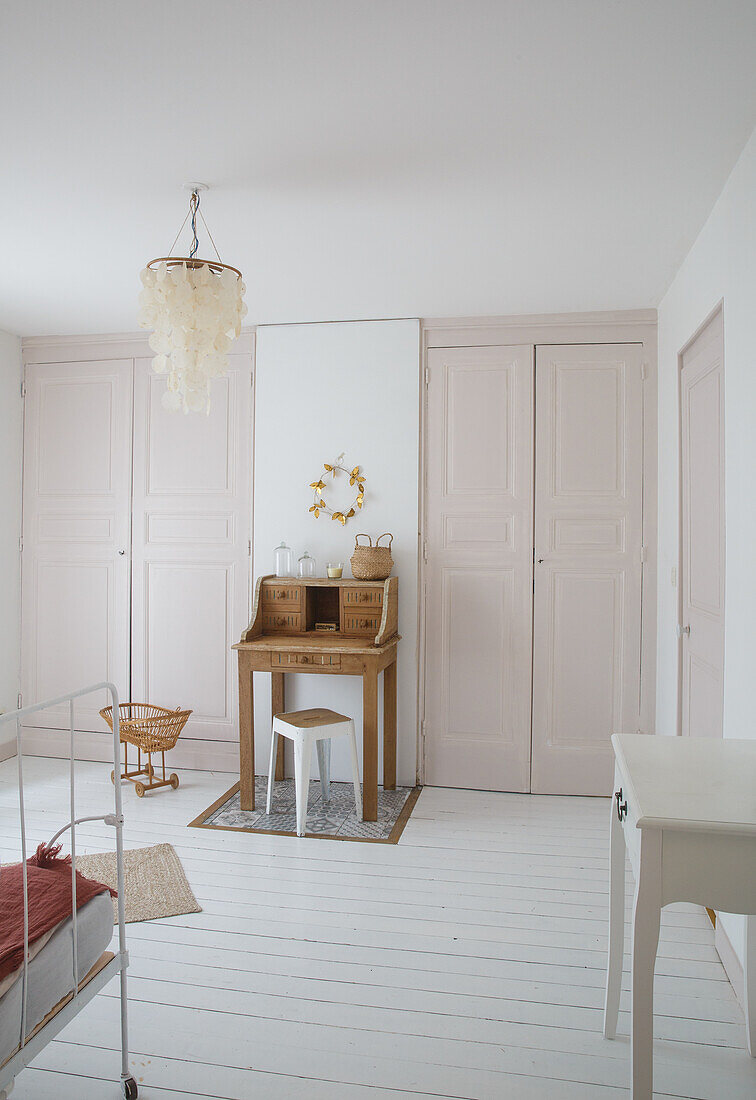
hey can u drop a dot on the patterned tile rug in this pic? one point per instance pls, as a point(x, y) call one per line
point(334, 820)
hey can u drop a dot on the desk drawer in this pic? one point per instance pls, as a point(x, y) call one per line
point(281, 595)
point(356, 622)
point(318, 660)
point(363, 598)
point(281, 621)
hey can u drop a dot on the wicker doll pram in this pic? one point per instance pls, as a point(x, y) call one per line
point(149, 729)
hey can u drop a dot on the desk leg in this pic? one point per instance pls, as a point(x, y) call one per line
point(278, 706)
point(389, 727)
point(749, 984)
point(370, 743)
point(246, 736)
point(646, 918)
point(616, 923)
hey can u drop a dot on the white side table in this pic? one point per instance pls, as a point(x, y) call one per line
point(685, 811)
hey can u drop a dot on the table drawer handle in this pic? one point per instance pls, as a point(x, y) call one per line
point(621, 806)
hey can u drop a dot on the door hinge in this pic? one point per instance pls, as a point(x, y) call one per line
point(425, 549)
point(23, 388)
point(251, 378)
point(427, 375)
point(19, 701)
point(20, 544)
point(249, 547)
point(422, 729)
point(643, 554)
point(644, 371)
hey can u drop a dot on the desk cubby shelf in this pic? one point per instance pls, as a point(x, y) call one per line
point(324, 609)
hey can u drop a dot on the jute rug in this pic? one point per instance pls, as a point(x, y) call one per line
point(155, 884)
point(332, 820)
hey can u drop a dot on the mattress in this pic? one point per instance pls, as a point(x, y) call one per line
point(50, 974)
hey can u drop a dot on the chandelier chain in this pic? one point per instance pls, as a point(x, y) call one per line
point(194, 202)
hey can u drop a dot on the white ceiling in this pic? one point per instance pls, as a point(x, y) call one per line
point(367, 158)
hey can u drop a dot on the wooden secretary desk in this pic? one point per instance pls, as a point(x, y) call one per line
point(329, 627)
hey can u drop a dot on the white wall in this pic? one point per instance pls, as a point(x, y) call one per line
point(10, 528)
point(721, 265)
point(322, 389)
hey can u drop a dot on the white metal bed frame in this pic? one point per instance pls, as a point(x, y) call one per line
point(29, 1047)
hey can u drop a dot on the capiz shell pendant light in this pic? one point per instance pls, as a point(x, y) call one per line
point(195, 308)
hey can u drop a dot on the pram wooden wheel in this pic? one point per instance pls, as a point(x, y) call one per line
point(139, 788)
point(174, 780)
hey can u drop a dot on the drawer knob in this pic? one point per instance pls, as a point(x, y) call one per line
point(621, 806)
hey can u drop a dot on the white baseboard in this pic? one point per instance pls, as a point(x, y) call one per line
point(730, 961)
point(215, 756)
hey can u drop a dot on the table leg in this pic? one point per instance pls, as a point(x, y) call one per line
point(278, 706)
point(616, 923)
point(369, 743)
point(246, 736)
point(646, 918)
point(749, 984)
point(389, 727)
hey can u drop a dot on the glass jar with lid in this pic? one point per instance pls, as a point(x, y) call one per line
point(306, 565)
point(284, 559)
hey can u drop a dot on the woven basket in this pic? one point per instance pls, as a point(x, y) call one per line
point(372, 563)
point(149, 728)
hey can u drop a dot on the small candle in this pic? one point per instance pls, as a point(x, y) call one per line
point(334, 571)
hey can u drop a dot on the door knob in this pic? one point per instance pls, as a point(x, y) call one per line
point(682, 630)
point(121, 552)
point(541, 560)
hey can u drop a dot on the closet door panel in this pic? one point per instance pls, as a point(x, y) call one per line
point(192, 506)
point(588, 531)
point(77, 484)
point(479, 553)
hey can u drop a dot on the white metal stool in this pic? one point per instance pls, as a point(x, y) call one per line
point(303, 727)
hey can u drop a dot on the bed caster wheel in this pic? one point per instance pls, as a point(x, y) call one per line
point(174, 780)
point(129, 1087)
point(139, 788)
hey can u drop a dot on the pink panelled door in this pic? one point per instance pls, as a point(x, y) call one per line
point(77, 487)
point(479, 537)
point(588, 535)
point(190, 584)
point(702, 576)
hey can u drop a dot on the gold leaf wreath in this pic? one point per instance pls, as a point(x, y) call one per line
point(319, 503)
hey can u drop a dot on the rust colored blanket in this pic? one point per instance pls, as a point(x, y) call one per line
point(49, 891)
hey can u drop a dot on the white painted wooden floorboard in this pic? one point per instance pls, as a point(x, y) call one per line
point(466, 962)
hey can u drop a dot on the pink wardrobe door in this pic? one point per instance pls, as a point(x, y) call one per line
point(588, 569)
point(479, 508)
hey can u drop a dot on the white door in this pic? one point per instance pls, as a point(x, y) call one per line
point(77, 484)
point(588, 536)
point(479, 508)
point(191, 504)
point(703, 533)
